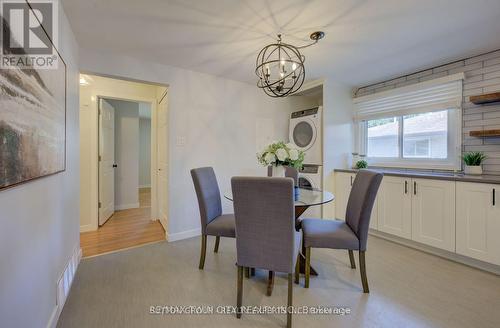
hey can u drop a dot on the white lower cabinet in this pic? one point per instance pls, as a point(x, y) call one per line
point(394, 206)
point(478, 221)
point(433, 213)
point(374, 217)
point(343, 185)
point(459, 217)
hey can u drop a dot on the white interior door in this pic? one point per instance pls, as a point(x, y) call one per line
point(162, 164)
point(106, 161)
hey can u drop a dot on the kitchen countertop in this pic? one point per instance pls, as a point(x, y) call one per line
point(450, 176)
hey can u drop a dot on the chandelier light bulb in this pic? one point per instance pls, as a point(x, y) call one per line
point(294, 66)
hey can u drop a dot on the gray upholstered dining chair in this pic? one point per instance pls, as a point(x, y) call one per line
point(213, 222)
point(290, 172)
point(265, 229)
point(351, 234)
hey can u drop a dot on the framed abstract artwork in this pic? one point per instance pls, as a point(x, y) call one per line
point(32, 113)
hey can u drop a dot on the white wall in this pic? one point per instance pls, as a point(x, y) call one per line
point(212, 122)
point(110, 88)
point(126, 153)
point(144, 152)
point(40, 221)
point(337, 134)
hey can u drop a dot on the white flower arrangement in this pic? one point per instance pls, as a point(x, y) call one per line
point(281, 154)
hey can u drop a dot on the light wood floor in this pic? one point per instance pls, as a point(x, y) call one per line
point(408, 289)
point(126, 228)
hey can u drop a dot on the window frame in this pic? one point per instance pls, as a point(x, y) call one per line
point(454, 139)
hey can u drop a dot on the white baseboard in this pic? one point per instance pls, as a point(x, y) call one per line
point(64, 284)
point(87, 227)
point(145, 186)
point(126, 206)
point(53, 318)
point(438, 252)
point(164, 224)
point(183, 235)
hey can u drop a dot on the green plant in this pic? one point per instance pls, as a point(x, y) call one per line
point(361, 164)
point(473, 158)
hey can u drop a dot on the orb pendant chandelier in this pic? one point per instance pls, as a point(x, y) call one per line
point(280, 67)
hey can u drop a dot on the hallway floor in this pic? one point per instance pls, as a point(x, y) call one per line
point(126, 228)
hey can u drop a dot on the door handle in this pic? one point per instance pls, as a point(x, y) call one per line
point(114, 165)
point(414, 187)
point(406, 187)
point(494, 197)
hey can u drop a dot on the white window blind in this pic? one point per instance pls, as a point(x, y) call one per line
point(428, 96)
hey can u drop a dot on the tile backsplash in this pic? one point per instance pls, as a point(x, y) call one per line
point(482, 75)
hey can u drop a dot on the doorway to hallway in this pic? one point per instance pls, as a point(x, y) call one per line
point(130, 191)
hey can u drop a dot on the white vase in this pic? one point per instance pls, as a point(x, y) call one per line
point(278, 171)
point(473, 170)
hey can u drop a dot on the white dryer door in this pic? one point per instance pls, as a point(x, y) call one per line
point(303, 133)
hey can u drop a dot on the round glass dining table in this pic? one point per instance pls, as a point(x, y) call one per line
point(304, 199)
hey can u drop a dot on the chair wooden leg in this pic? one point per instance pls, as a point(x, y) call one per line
point(239, 296)
point(308, 266)
point(270, 283)
point(351, 258)
point(297, 270)
point(290, 302)
point(362, 269)
point(203, 251)
point(247, 272)
point(216, 247)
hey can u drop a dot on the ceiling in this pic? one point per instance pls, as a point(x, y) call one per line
point(366, 40)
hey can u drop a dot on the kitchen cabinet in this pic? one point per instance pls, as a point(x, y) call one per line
point(394, 206)
point(343, 185)
point(459, 217)
point(433, 213)
point(478, 221)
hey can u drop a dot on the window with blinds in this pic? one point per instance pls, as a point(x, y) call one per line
point(417, 126)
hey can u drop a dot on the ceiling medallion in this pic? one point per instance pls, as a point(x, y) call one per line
point(280, 67)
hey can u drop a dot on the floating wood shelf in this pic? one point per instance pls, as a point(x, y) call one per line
point(485, 133)
point(485, 99)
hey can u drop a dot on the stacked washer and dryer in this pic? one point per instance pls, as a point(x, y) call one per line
point(306, 134)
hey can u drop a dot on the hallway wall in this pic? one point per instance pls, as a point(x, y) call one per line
point(39, 221)
point(144, 145)
point(126, 153)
